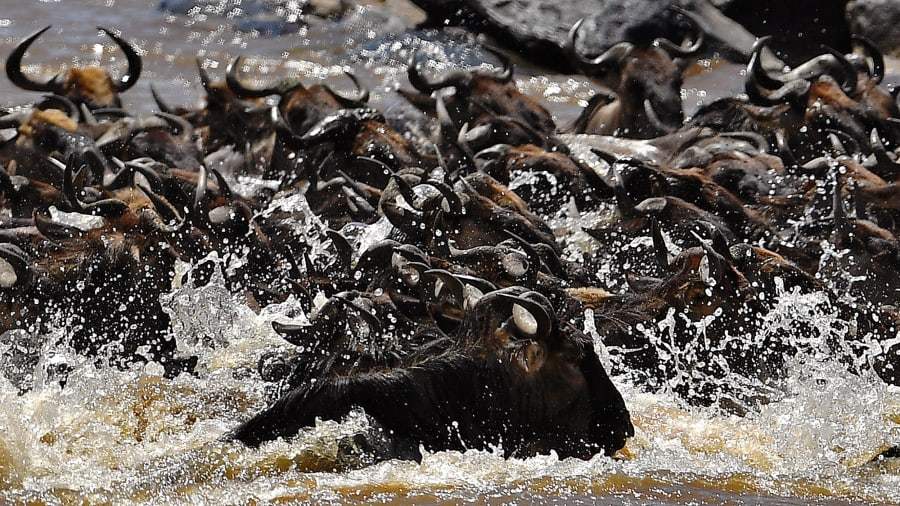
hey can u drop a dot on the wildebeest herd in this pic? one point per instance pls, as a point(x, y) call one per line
point(467, 326)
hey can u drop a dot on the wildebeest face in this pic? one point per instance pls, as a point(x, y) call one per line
point(91, 86)
point(486, 99)
point(300, 106)
point(646, 83)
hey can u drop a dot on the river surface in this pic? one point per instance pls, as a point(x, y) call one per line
point(113, 436)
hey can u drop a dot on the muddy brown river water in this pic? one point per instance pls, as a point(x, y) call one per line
point(114, 436)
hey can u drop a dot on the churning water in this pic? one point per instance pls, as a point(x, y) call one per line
point(133, 436)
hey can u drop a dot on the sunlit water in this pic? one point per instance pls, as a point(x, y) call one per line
point(132, 436)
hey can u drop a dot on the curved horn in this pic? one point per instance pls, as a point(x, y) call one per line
point(135, 64)
point(412, 253)
point(755, 66)
point(69, 185)
point(200, 189)
point(205, 80)
point(87, 115)
point(848, 80)
point(763, 88)
point(182, 127)
point(678, 50)
point(160, 103)
point(153, 177)
point(106, 208)
point(51, 230)
point(411, 272)
point(713, 259)
point(839, 141)
point(362, 93)
point(164, 210)
point(376, 256)
point(534, 258)
point(18, 260)
point(298, 335)
point(71, 109)
point(876, 72)
point(719, 242)
point(600, 64)
point(224, 189)
point(341, 246)
point(784, 148)
point(360, 207)
point(879, 150)
point(445, 121)
point(654, 118)
point(542, 325)
point(480, 283)
point(505, 75)
point(421, 83)
point(14, 67)
point(123, 176)
point(757, 140)
point(406, 190)
point(454, 204)
point(238, 88)
point(551, 259)
point(378, 163)
point(450, 282)
point(372, 320)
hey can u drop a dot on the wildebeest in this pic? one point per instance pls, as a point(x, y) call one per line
point(91, 86)
point(514, 376)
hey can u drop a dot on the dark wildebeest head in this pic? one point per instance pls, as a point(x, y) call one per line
point(91, 86)
point(225, 119)
point(645, 78)
point(164, 137)
point(52, 127)
point(299, 105)
point(319, 121)
point(488, 103)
